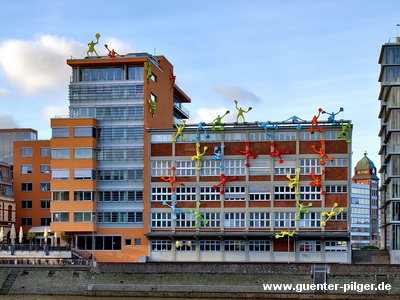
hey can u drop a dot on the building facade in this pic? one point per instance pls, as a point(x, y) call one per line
point(7, 138)
point(243, 194)
point(365, 205)
point(98, 160)
point(389, 115)
point(7, 204)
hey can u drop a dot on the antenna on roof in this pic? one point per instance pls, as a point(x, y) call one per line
point(155, 48)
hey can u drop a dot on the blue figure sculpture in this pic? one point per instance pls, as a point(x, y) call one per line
point(175, 211)
point(297, 120)
point(267, 126)
point(332, 115)
point(200, 127)
point(218, 156)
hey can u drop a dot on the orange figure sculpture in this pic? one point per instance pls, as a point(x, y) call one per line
point(172, 180)
point(321, 152)
point(247, 153)
point(317, 181)
point(278, 152)
point(314, 122)
point(224, 180)
point(111, 53)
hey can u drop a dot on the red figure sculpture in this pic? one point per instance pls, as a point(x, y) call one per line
point(224, 180)
point(321, 152)
point(111, 53)
point(317, 181)
point(278, 152)
point(172, 180)
point(247, 153)
point(314, 122)
point(172, 78)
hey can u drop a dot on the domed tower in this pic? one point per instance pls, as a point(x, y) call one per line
point(364, 204)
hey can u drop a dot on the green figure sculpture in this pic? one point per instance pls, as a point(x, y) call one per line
point(218, 121)
point(152, 106)
point(240, 112)
point(92, 44)
point(196, 213)
point(149, 74)
point(302, 208)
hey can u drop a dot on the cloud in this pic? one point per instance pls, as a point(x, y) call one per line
point(7, 121)
point(34, 66)
point(4, 93)
point(208, 115)
point(50, 112)
point(119, 46)
point(231, 93)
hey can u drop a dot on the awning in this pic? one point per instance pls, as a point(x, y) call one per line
point(39, 229)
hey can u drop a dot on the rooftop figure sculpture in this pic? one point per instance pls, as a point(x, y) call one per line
point(241, 112)
point(92, 44)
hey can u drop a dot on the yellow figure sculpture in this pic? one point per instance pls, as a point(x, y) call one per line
point(92, 44)
point(283, 233)
point(240, 112)
point(331, 214)
point(179, 133)
point(199, 155)
point(295, 181)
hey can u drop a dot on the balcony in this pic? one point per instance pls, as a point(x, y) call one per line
point(181, 110)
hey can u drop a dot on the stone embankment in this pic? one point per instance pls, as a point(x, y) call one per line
point(196, 280)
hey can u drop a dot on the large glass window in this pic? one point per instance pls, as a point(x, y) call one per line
point(310, 246)
point(60, 153)
point(60, 132)
point(392, 55)
point(62, 174)
point(82, 153)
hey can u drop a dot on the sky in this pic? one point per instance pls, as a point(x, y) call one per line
point(282, 58)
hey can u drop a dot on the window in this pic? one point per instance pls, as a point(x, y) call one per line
point(284, 219)
point(161, 245)
point(235, 137)
point(311, 193)
point(26, 169)
point(101, 74)
point(45, 204)
point(161, 194)
point(185, 245)
point(308, 136)
point(120, 217)
point(45, 221)
point(26, 152)
point(258, 137)
point(288, 167)
point(134, 132)
point(121, 175)
point(84, 195)
point(234, 246)
point(161, 220)
point(26, 186)
point(60, 153)
point(60, 174)
point(210, 168)
point(337, 162)
point(45, 151)
point(60, 196)
point(259, 193)
point(213, 219)
point(83, 131)
point(208, 193)
point(161, 138)
point(26, 204)
point(45, 186)
point(210, 245)
point(234, 220)
point(84, 174)
point(138, 242)
point(259, 220)
point(310, 246)
point(185, 168)
point(130, 195)
point(331, 134)
point(60, 217)
point(336, 189)
point(60, 132)
point(83, 217)
point(45, 169)
point(109, 243)
point(283, 193)
point(82, 153)
point(259, 246)
point(187, 193)
point(260, 167)
point(185, 220)
point(234, 167)
point(235, 193)
point(26, 221)
point(135, 73)
point(310, 220)
point(284, 135)
point(308, 165)
point(335, 246)
point(160, 168)
point(128, 242)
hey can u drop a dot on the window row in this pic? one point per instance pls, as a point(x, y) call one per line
point(102, 217)
point(28, 151)
point(241, 220)
point(28, 186)
point(102, 196)
point(109, 92)
point(101, 175)
point(114, 153)
point(241, 245)
point(108, 73)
